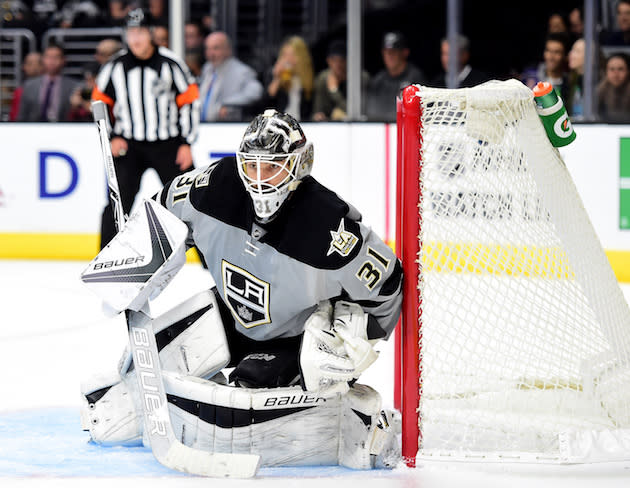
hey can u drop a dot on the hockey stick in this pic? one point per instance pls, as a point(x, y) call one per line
point(157, 424)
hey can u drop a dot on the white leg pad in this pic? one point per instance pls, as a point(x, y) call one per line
point(109, 412)
point(197, 346)
point(280, 424)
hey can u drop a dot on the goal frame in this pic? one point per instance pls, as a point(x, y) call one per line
point(409, 221)
point(592, 416)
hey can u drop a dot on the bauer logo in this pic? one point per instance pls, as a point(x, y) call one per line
point(118, 262)
point(293, 400)
point(246, 296)
point(149, 382)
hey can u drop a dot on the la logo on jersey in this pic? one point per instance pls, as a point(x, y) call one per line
point(245, 295)
point(342, 241)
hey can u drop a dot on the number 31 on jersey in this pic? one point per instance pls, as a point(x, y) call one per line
point(371, 271)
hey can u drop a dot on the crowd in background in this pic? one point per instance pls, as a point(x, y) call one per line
point(295, 82)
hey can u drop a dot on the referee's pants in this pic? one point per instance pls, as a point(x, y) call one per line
point(141, 155)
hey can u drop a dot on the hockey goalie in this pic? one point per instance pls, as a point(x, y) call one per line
point(266, 362)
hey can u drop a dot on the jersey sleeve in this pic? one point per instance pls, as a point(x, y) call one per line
point(372, 279)
point(175, 195)
point(104, 88)
point(187, 100)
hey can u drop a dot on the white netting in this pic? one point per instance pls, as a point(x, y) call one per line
point(525, 333)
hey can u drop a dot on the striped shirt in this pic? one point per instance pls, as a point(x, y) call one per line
point(152, 99)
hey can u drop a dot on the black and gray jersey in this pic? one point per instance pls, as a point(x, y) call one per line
point(152, 99)
point(272, 277)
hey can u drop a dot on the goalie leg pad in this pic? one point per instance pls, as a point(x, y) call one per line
point(368, 435)
point(192, 342)
point(109, 412)
point(285, 426)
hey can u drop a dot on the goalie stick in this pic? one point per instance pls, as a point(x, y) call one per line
point(164, 445)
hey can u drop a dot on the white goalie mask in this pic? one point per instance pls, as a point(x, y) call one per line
point(273, 157)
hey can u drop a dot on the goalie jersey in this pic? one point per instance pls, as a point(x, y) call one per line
point(272, 276)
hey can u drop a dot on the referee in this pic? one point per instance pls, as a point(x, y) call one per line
point(153, 98)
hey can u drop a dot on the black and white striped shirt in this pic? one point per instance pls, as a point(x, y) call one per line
point(152, 99)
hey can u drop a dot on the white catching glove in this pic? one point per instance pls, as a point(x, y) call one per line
point(334, 354)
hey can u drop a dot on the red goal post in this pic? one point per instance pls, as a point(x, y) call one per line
point(408, 224)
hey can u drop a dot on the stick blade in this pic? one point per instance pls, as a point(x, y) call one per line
point(211, 464)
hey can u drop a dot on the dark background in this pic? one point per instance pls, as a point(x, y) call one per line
point(506, 37)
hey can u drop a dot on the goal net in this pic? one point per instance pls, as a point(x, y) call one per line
point(516, 335)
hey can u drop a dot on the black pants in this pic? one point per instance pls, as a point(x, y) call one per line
point(159, 155)
point(280, 365)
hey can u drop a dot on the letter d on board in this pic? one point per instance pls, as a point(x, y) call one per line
point(43, 187)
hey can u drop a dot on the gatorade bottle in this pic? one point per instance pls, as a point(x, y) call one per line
point(553, 115)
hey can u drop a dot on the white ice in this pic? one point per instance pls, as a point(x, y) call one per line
point(53, 334)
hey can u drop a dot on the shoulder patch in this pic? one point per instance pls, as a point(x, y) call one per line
point(203, 178)
point(342, 242)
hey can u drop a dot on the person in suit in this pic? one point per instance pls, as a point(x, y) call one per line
point(226, 84)
point(46, 98)
point(31, 67)
point(467, 76)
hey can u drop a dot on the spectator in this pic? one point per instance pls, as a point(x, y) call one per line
point(573, 102)
point(193, 38)
point(160, 35)
point(227, 85)
point(154, 130)
point(193, 46)
point(613, 92)
point(158, 12)
point(576, 23)
point(80, 100)
point(554, 66)
point(31, 68)
point(467, 76)
point(105, 49)
point(556, 23)
point(385, 86)
point(329, 99)
point(619, 37)
point(292, 79)
point(118, 10)
point(47, 97)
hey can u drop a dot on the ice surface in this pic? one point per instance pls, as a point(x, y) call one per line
point(53, 334)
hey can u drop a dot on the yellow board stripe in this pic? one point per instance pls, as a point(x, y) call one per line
point(525, 261)
point(459, 258)
point(511, 260)
point(80, 247)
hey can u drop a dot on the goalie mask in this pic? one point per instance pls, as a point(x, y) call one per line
point(273, 158)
